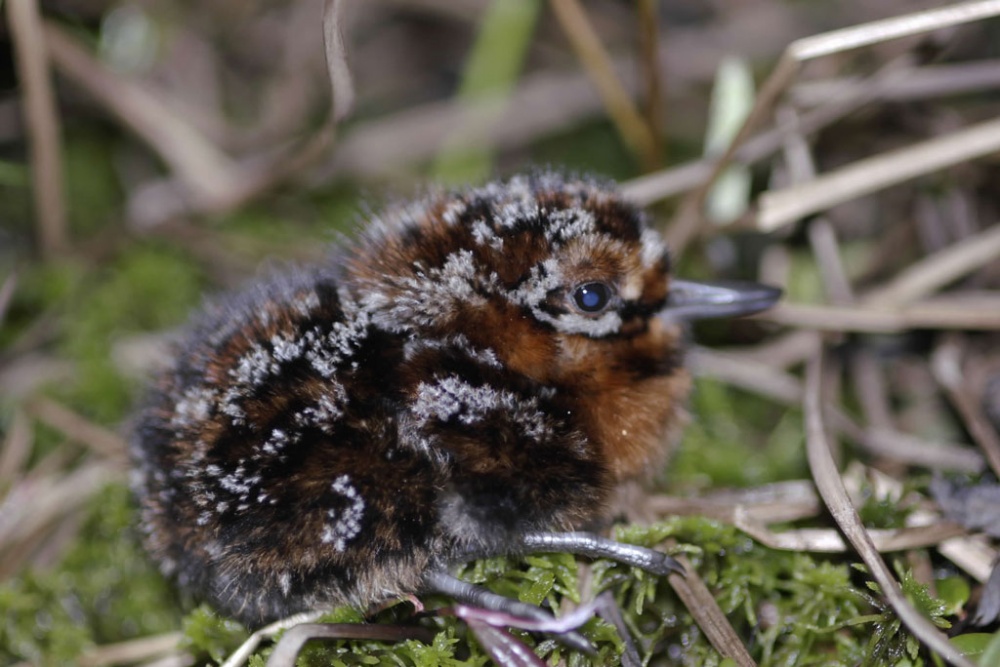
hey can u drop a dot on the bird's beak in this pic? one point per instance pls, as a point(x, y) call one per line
point(689, 300)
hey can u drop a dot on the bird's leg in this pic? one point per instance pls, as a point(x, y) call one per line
point(594, 546)
point(439, 581)
point(491, 610)
point(488, 627)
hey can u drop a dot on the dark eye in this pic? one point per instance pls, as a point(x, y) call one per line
point(592, 297)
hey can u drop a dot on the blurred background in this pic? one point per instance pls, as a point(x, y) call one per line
point(155, 152)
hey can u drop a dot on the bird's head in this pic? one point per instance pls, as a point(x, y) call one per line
point(562, 281)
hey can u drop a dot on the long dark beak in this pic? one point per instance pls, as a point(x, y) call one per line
point(696, 301)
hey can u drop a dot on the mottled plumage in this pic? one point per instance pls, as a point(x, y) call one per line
point(476, 367)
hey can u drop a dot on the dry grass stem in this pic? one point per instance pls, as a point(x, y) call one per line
point(919, 83)
point(831, 489)
point(784, 350)
point(42, 121)
point(747, 373)
point(78, 428)
point(912, 450)
point(744, 371)
point(839, 41)
point(783, 207)
point(205, 180)
point(935, 271)
point(695, 177)
point(588, 48)
point(239, 657)
point(968, 311)
point(544, 102)
point(26, 373)
point(341, 81)
point(946, 364)
point(207, 173)
point(822, 236)
point(828, 540)
point(731, 508)
point(651, 73)
point(972, 554)
point(41, 500)
point(7, 294)
point(16, 449)
point(753, 515)
point(256, 175)
point(699, 601)
point(688, 220)
point(130, 652)
point(415, 134)
point(876, 32)
point(870, 386)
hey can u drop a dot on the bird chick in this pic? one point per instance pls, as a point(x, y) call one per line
point(474, 375)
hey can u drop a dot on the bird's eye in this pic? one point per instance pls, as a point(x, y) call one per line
point(592, 297)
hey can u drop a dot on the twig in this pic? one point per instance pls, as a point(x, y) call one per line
point(247, 648)
point(834, 495)
point(205, 180)
point(801, 51)
point(703, 607)
point(207, 173)
point(78, 428)
point(41, 500)
point(968, 311)
point(7, 294)
point(16, 448)
point(782, 207)
point(823, 540)
point(972, 554)
point(42, 120)
point(651, 73)
point(946, 364)
point(132, 651)
point(939, 269)
point(341, 81)
point(660, 185)
point(920, 83)
point(590, 51)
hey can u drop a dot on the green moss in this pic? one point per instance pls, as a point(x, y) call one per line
point(104, 591)
point(151, 288)
point(592, 147)
point(882, 512)
point(208, 634)
point(93, 194)
point(792, 608)
point(288, 224)
point(735, 439)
